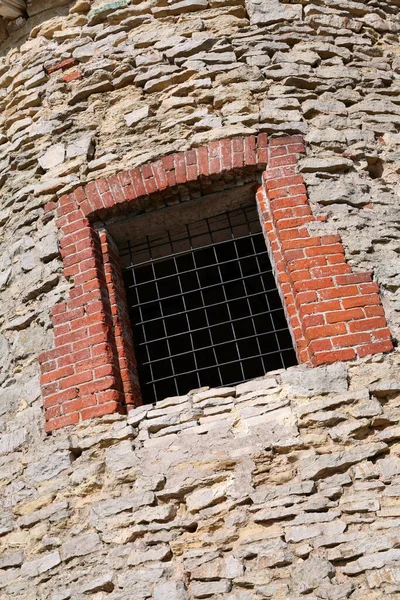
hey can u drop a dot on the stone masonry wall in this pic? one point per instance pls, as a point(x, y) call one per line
point(287, 487)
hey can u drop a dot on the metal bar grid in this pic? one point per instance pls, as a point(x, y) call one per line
point(204, 306)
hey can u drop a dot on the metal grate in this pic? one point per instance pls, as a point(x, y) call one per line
point(204, 306)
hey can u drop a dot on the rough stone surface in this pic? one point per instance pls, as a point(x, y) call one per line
point(285, 487)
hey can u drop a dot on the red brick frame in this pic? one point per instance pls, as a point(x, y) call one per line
point(332, 313)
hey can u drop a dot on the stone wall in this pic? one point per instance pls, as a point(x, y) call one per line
point(283, 488)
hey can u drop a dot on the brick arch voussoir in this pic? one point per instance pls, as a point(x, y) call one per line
point(231, 158)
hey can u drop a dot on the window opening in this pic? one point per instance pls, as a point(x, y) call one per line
point(204, 305)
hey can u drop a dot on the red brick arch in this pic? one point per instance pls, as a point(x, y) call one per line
point(333, 314)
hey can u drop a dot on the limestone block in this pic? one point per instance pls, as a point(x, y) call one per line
point(315, 467)
point(177, 8)
point(267, 12)
point(203, 497)
point(154, 553)
point(55, 512)
point(48, 467)
point(187, 48)
point(308, 575)
point(47, 248)
point(81, 545)
point(115, 506)
point(36, 567)
point(326, 165)
point(173, 590)
point(206, 589)
point(372, 561)
point(82, 146)
point(310, 382)
point(136, 115)
point(120, 457)
point(104, 583)
point(13, 559)
point(54, 156)
point(7, 522)
point(9, 442)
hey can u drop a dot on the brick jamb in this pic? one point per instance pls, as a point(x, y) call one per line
point(334, 314)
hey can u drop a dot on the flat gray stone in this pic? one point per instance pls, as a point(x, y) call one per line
point(81, 545)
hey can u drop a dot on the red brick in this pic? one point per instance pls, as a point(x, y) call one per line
point(286, 140)
point(330, 249)
point(339, 292)
point(323, 331)
point(381, 334)
point(294, 254)
point(168, 162)
point(61, 66)
point(321, 345)
point(262, 140)
point(137, 182)
point(306, 297)
point(226, 154)
point(56, 375)
point(322, 358)
point(313, 321)
point(359, 300)
point(159, 175)
point(277, 151)
point(75, 380)
point(295, 233)
point(93, 196)
point(238, 144)
point(351, 339)
point(330, 239)
point(280, 161)
point(368, 288)
point(60, 397)
point(53, 412)
point(331, 270)
point(374, 311)
point(313, 284)
point(180, 167)
point(291, 223)
point(345, 315)
point(290, 201)
point(202, 160)
point(60, 422)
point(76, 405)
point(290, 212)
point(116, 189)
point(100, 410)
point(283, 182)
point(73, 76)
point(353, 278)
point(150, 185)
point(214, 161)
point(334, 259)
point(250, 157)
point(298, 148)
point(319, 307)
point(368, 324)
point(374, 348)
point(98, 386)
point(123, 177)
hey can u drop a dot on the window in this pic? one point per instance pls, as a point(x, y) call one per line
point(203, 301)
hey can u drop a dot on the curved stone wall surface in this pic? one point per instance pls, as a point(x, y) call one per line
point(283, 488)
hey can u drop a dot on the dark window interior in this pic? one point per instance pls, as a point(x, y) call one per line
point(204, 306)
